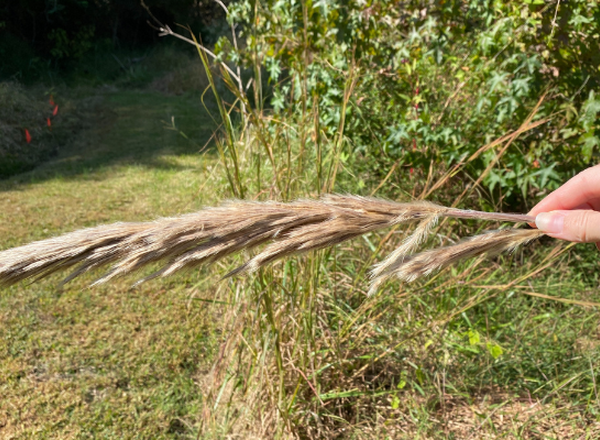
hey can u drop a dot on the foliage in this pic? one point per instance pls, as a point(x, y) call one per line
point(39, 38)
point(434, 82)
point(75, 47)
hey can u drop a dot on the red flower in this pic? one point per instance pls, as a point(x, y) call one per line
point(55, 111)
point(412, 171)
point(27, 136)
point(51, 101)
point(49, 122)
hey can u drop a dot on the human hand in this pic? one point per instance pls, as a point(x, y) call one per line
point(572, 211)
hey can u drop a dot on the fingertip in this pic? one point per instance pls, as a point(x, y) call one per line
point(550, 222)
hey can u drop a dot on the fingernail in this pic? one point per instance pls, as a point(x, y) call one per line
point(550, 222)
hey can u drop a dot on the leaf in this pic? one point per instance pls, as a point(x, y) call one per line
point(568, 132)
point(588, 143)
point(546, 175)
point(497, 81)
point(274, 68)
point(589, 111)
point(474, 338)
point(495, 350)
point(420, 375)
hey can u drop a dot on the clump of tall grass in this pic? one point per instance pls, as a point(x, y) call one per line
point(306, 352)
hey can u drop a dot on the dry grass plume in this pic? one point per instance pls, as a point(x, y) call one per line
point(285, 228)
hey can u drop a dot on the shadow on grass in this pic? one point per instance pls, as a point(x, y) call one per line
point(129, 128)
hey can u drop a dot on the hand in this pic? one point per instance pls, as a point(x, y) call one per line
point(572, 211)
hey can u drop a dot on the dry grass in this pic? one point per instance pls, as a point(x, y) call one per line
point(491, 243)
point(490, 416)
point(214, 233)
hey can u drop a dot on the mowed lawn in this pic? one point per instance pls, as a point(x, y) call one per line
point(109, 361)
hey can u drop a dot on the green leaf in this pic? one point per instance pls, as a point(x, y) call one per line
point(420, 375)
point(568, 132)
point(474, 338)
point(395, 402)
point(588, 143)
point(495, 350)
point(589, 111)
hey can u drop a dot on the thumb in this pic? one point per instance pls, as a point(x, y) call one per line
point(581, 225)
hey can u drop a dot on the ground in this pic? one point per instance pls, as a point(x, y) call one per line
point(109, 362)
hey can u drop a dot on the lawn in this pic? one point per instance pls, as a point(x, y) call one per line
point(115, 361)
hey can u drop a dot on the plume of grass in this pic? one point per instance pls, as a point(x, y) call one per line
point(491, 243)
point(382, 271)
point(288, 228)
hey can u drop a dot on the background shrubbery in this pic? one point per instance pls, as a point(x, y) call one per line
point(433, 82)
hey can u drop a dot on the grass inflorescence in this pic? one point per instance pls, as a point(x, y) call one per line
point(214, 233)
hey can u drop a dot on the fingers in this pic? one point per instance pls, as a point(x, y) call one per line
point(577, 225)
point(581, 192)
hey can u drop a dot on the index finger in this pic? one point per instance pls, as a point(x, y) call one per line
point(580, 192)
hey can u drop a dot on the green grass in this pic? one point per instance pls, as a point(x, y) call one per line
point(110, 362)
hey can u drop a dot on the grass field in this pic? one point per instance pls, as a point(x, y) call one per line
point(113, 362)
point(297, 350)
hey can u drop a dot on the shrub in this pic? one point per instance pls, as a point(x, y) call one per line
point(434, 82)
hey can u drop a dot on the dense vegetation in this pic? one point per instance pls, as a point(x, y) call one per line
point(470, 103)
point(430, 83)
point(41, 39)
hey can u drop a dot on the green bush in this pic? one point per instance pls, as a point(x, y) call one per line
point(432, 83)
